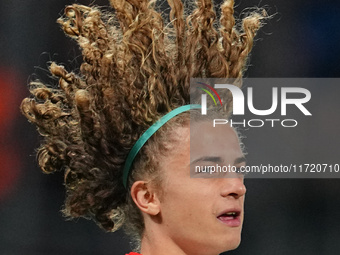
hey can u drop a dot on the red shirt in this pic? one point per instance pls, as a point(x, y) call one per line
point(133, 253)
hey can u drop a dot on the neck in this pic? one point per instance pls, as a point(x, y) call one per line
point(155, 241)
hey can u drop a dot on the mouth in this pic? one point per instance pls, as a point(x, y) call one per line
point(230, 218)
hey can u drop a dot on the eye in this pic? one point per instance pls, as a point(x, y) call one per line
point(214, 170)
point(202, 171)
point(241, 171)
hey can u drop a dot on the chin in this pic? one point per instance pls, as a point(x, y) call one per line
point(235, 244)
point(231, 244)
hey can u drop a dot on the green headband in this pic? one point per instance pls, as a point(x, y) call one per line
point(148, 133)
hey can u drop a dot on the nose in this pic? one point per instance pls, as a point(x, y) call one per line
point(233, 187)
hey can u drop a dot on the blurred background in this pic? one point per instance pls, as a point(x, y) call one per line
point(283, 216)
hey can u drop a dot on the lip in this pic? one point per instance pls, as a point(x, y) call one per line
point(231, 221)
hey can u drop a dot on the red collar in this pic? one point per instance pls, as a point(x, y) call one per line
point(133, 253)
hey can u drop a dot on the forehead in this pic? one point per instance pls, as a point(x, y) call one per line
point(199, 140)
point(220, 141)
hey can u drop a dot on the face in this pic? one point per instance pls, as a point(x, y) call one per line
point(203, 215)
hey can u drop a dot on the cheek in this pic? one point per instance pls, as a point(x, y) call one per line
point(188, 200)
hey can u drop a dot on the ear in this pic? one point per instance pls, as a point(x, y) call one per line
point(145, 197)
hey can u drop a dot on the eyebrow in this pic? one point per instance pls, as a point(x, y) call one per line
point(210, 159)
point(240, 160)
point(218, 160)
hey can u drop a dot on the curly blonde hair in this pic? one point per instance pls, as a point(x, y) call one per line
point(136, 68)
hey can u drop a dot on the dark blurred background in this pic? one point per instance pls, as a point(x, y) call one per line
point(283, 216)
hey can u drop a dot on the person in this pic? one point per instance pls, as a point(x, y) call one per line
point(120, 128)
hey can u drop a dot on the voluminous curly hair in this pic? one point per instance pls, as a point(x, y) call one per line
point(135, 69)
